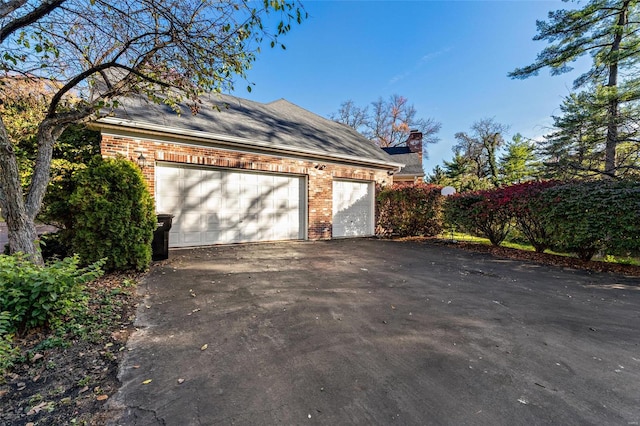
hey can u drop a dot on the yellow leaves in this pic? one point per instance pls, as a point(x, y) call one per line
point(146, 382)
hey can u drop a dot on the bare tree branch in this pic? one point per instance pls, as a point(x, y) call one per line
point(42, 10)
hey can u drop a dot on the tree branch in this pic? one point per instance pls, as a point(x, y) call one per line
point(7, 7)
point(44, 9)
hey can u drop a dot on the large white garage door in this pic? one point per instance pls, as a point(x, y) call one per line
point(353, 213)
point(213, 206)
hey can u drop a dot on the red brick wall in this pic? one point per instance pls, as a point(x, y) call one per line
point(319, 191)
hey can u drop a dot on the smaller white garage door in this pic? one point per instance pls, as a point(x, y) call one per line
point(353, 209)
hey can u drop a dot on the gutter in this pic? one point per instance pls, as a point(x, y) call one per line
point(232, 141)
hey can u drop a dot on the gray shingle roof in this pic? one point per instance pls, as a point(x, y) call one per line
point(411, 160)
point(278, 124)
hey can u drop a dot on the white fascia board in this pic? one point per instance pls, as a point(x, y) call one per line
point(246, 143)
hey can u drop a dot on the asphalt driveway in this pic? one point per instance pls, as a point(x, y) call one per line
point(379, 332)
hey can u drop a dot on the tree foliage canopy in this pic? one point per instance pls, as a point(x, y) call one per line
point(90, 53)
point(608, 31)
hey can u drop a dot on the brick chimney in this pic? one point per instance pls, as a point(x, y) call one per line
point(414, 142)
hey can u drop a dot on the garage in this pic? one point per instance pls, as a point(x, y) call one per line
point(353, 209)
point(243, 171)
point(218, 206)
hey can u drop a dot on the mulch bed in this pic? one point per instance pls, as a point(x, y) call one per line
point(70, 383)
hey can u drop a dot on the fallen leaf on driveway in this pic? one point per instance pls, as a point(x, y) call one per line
point(146, 382)
point(38, 408)
point(180, 381)
point(102, 397)
point(204, 347)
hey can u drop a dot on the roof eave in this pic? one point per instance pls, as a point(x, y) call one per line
point(149, 128)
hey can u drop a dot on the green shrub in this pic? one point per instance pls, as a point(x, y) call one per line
point(35, 295)
point(112, 215)
point(410, 210)
point(587, 217)
point(483, 213)
point(8, 352)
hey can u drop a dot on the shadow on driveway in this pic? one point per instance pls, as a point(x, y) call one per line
point(368, 332)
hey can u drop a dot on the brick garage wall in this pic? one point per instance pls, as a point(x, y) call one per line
point(320, 175)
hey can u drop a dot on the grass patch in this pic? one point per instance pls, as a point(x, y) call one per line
point(517, 245)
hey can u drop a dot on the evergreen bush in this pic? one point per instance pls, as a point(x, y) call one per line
point(112, 215)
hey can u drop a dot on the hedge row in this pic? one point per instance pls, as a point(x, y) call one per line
point(576, 217)
point(582, 217)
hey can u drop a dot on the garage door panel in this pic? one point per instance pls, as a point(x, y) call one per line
point(168, 204)
point(169, 172)
point(190, 221)
point(211, 185)
point(212, 203)
point(213, 235)
point(193, 238)
point(252, 205)
point(213, 221)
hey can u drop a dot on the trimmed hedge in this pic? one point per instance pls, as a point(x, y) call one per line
point(409, 210)
point(582, 217)
point(587, 217)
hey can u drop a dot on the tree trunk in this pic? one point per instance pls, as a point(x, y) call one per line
point(21, 227)
point(612, 139)
point(614, 101)
point(19, 211)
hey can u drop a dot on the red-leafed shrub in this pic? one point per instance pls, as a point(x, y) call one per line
point(409, 210)
point(527, 209)
point(484, 213)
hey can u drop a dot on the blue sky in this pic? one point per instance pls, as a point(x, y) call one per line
point(449, 58)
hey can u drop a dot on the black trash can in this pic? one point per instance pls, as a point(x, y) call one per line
point(160, 243)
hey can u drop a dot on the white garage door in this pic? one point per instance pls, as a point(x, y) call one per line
point(353, 213)
point(213, 206)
